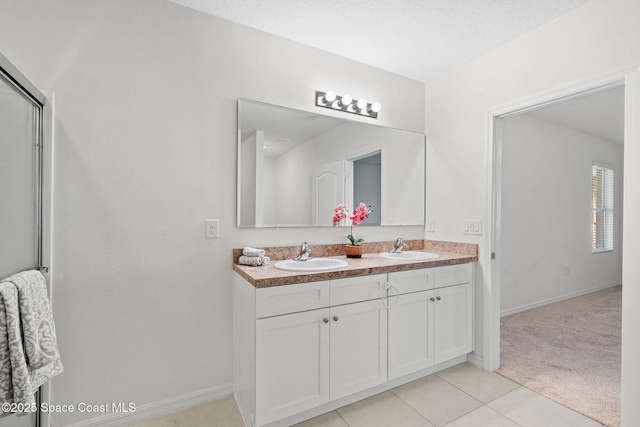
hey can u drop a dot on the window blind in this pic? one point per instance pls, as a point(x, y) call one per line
point(602, 208)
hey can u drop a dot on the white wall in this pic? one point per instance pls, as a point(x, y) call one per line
point(592, 43)
point(146, 150)
point(249, 155)
point(402, 169)
point(269, 186)
point(631, 267)
point(546, 214)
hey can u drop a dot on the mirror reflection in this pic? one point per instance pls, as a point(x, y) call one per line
point(295, 167)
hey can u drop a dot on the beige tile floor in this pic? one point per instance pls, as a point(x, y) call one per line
point(461, 396)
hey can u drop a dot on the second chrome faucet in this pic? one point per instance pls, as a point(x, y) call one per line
point(398, 246)
point(305, 252)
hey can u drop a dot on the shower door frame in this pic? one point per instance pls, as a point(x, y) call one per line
point(43, 203)
point(20, 83)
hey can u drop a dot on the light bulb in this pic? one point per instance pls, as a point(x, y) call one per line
point(376, 106)
point(330, 96)
point(361, 104)
point(346, 100)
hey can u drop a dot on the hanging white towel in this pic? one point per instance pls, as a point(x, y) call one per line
point(38, 328)
point(15, 381)
point(24, 297)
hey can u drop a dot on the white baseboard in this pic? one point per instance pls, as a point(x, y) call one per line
point(475, 360)
point(158, 409)
point(555, 299)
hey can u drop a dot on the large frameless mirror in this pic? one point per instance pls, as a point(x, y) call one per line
point(295, 167)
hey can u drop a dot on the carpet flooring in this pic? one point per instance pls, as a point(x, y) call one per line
point(569, 351)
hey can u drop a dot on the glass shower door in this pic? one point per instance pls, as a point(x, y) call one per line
point(18, 183)
point(20, 192)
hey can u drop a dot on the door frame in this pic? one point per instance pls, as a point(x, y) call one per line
point(493, 161)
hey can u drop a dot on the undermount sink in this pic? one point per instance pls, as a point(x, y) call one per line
point(410, 256)
point(312, 265)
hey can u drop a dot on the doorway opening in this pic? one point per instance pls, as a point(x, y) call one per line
point(543, 217)
point(367, 184)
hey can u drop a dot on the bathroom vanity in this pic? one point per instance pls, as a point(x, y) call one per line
point(308, 343)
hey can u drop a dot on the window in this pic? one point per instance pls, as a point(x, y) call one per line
point(602, 207)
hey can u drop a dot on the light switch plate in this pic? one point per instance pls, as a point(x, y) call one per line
point(431, 225)
point(472, 227)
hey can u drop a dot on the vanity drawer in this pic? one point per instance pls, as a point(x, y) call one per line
point(284, 299)
point(354, 289)
point(452, 275)
point(412, 280)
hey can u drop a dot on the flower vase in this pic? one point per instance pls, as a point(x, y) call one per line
point(353, 251)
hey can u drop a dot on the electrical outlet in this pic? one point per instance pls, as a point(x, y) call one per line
point(212, 228)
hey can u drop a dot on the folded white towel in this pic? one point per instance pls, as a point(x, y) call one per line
point(24, 301)
point(247, 251)
point(250, 260)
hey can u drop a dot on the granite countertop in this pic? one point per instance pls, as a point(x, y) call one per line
point(451, 253)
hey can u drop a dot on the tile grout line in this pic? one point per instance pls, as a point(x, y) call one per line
point(412, 408)
point(342, 418)
point(436, 374)
point(483, 403)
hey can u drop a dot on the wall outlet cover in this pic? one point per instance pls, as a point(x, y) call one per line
point(212, 229)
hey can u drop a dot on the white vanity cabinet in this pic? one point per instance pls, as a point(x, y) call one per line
point(312, 347)
point(314, 343)
point(358, 347)
point(452, 322)
point(411, 331)
point(430, 317)
point(292, 364)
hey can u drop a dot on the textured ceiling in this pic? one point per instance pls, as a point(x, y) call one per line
point(419, 39)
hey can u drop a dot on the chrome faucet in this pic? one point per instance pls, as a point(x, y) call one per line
point(305, 252)
point(398, 246)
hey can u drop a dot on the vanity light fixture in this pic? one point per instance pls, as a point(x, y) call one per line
point(346, 103)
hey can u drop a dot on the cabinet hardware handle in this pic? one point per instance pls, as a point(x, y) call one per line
point(325, 320)
point(335, 318)
point(432, 299)
point(438, 298)
point(386, 297)
point(394, 290)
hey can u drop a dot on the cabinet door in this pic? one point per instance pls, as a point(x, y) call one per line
point(292, 364)
point(358, 347)
point(453, 322)
point(411, 339)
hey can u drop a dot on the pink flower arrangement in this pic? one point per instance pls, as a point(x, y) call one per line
point(356, 216)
